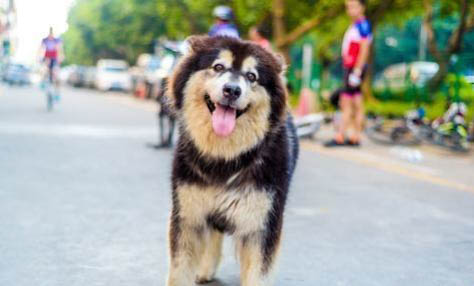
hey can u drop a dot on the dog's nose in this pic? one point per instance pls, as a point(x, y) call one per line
point(232, 91)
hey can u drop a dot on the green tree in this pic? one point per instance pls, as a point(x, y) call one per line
point(126, 28)
point(188, 17)
point(111, 29)
point(465, 10)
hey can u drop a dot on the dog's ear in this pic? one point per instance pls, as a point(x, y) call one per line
point(196, 43)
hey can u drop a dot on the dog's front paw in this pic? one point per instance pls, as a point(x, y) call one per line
point(204, 279)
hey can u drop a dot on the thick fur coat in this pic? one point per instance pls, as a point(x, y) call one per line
point(234, 161)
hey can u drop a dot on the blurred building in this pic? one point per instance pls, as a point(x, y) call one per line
point(7, 25)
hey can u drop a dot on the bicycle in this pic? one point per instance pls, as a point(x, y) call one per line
point(411, 130)
point(471, 132)
point(451, 130)
point(49, 85)
point(307, 126)
point(166, 118)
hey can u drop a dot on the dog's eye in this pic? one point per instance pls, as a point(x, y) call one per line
point(251, 77)
point(219, 68)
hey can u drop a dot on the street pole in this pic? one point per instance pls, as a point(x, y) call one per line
point(307, 64)
point(423, 41)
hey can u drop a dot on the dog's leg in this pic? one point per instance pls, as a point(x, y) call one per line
point(185, 252)
point(258, 254)
point(210, 258)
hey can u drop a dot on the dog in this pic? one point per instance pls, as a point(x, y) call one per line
point(234, 160)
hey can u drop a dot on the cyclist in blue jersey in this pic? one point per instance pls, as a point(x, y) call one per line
point(224, 25)
point(52, 54)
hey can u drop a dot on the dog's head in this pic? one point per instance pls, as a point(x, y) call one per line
point(228, 94)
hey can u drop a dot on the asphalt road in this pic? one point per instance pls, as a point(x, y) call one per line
point(83, 201)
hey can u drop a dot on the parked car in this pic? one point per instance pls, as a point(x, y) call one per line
point(113, 75)
point(169, 55)
point(77, 76)
point(16, 74)
point(64, 73)
point(142, 74)
point(396, 77)
point(90, 77)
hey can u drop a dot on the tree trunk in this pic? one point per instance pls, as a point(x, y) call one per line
point(375, 16)
point(279, 29)
point(287, 39)
point(438, 79)
point(454, 43)
point(367, 84)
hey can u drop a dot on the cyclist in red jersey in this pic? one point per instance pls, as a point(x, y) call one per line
point(355, 52)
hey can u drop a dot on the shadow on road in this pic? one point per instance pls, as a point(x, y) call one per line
point(217, 282)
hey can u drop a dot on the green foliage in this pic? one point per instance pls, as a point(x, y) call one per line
point(397, 109)
point(111, 29)
point(398, 104)
point(456, 87)
point(126, 28)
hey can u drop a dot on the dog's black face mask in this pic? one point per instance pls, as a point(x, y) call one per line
point(228, 92)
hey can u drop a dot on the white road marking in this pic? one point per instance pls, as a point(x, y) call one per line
point(66, 130)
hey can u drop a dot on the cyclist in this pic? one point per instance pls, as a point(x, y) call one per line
point(355, 52)
point(256, 34)
point(52, 54)
point(224, 23)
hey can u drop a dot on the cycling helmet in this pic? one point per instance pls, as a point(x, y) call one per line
point(224, 13)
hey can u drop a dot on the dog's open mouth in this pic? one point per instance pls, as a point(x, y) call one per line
point(223, 116)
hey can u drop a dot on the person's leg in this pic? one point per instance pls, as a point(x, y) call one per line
point(346, 109)
point(50, 65)
point(172, 123)
point(358, 104)
point(57, 83)
point(161, 119)
point(345, 104)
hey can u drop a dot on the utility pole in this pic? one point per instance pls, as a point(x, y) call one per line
point(423, 41)
point(7, 23)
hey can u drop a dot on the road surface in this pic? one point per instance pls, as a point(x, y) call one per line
point(83, 201)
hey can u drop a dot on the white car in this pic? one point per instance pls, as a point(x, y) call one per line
point(113, 75)
point(396, 76)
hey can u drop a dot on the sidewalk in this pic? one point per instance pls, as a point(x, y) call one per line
point(424, 162)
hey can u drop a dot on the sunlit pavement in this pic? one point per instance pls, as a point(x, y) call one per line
point(83, 201)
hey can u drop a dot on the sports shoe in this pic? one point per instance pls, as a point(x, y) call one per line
point(333, 143)
point(352, 143)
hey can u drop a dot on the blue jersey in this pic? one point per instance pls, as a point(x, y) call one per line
point(51, 46)
point(225, 29)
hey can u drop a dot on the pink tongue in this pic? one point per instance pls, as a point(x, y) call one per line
point(223, 120)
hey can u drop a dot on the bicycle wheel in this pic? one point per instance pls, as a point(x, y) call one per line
point(49, 100)
point(391, 133)
point(459, 140)
point(470, 137)
point(453, 141)
point(404, 136)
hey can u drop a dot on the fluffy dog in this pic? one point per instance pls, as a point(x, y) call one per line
point(234, 160)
